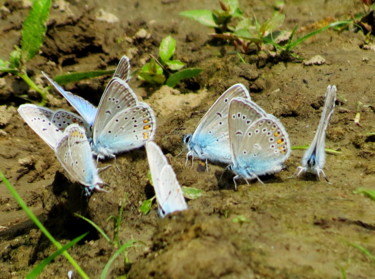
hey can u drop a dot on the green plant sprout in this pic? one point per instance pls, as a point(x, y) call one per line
point(167, 70)
point(367, 192)
point(31, 215)
point(230, 24)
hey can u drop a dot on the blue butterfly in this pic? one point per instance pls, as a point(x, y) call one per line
point(120, 123)
point(74, 153)
point(314, 158)
point(168, 191)
point(259, 143)
point(210, 140)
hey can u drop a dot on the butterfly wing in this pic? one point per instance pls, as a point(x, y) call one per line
point(210, 139)
point(62, 119)
point(128, 129)
point(116, 97)
point(74, 153)
point(167, 189)
point(123, 69)
point(82, 106)
point(259, 147)
point(40, 120)
point(314, 157)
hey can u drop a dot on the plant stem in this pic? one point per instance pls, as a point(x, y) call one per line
point(31, 215)
point(33, 86)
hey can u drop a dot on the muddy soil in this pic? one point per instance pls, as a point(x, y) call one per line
point(287, 228)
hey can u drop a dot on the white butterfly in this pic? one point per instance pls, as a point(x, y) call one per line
point(210, 140)
point(314, 158)
point(168, 192)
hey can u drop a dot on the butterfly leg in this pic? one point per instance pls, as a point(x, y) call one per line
point(298, 171)
point(320, 173)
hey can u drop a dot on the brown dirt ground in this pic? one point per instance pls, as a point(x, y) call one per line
point(295, 228)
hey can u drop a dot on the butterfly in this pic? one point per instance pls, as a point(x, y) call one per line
point(259, 143)
point(314, 158)
point(74, 153)
point(61, 131)
point(120, 123)
point(168, 192)
point(48, 124)
point(210, 141)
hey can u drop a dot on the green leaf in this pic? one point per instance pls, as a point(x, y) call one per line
point(271, 24)
point(363, 250)
point(15, 58)
point(146, 206)
point(305, 147)
point(39, 268)
point(192, 193)
point(183, 74)
point(34, 28)
point(175, 65)
point(167, 48)
point(74, 77)
point(152, 73)
point(205, 17)
point(367, 192)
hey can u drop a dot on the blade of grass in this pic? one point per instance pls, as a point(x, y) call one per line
point(313, 33)
point(95, 226)
point(183, 74)
point(31, 215)
point(367, 192)
point(39, 268)
point(363, 250)
point(124, 247)
point(74, 77)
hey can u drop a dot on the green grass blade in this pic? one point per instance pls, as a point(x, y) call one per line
point(39, 268)
point(175, 78)
point(74, 77)
point(367, 192)
point(31, 215)
point(124, 247)
point(315, 32)
point(363, 250)
point(95, 226)
point(34, 28)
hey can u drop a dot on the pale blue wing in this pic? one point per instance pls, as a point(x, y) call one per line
point(123, 69)
point(210, 140)
point(128, 129)
point(314, 158)
point(117, 97)
point(82, 106)
point(62, 119)
point(259, 147)
point(74, 153)
point(40, 120)
point(168, 191)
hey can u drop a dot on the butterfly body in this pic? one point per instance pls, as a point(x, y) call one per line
point(210, 140)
